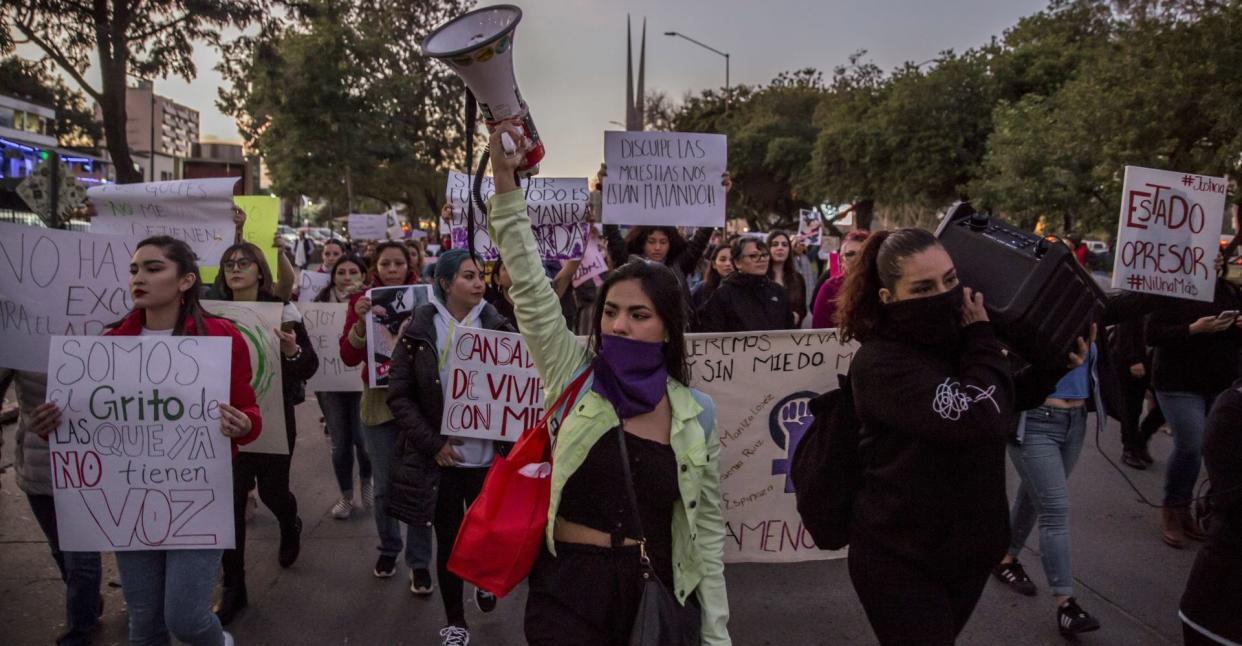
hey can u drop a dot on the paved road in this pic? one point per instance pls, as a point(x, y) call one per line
point(1125, 576)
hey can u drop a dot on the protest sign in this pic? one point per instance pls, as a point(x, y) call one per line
point(810, 227)
point(557, 210)
point(262, 218)
point(664, 178)
point(198, 211)
point(761, 383)
point(58, 282)
point(324, 324)
point(390, 307)
point(368, 226)
point(257, 323)
point(1169, 233)
point(138, 461)
point(593, 264)
point(493, 391)
point(310, 283)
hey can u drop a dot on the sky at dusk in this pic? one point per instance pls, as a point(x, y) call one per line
point(570, 54)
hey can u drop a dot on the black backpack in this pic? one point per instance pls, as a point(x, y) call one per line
point(827, 467)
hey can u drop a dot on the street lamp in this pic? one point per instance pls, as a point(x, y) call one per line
point(710, 49)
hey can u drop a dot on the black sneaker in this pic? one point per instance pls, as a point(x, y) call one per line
point(485, 599)
point(290, 544)
point(385, 566)
point(1132, 459)
point(1071, 619)
point(420, 581)
point(1015, 577)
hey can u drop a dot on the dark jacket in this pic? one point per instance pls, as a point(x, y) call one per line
point(684, 264)
point(933, 488)
point(1199, 363)
point(746, 303)
point(416, 398)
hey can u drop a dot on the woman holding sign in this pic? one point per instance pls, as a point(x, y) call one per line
point(169, 591)
point(436, 478)
point(391, 267)
point(245, 277)
point(600, 543)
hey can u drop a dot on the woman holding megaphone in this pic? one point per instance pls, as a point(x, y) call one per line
point(636, 421)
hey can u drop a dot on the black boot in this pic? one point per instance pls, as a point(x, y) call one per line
point(232, 600)
point(1132, 459)
point(290, 543)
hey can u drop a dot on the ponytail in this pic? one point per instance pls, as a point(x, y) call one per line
point(858, 307)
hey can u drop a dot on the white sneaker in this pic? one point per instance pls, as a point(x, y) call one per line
point(228, 639)
point(454, 636)
point(343, 508)
point(368, 494)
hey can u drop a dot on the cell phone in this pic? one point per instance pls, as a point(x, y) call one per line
point(1227, 314)
point(288, 326)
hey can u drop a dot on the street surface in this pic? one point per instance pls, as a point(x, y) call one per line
point(1125, 576)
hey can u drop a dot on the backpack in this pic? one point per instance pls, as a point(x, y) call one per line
point(827, 467)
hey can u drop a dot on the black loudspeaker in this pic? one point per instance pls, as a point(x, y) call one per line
point(1039, 298)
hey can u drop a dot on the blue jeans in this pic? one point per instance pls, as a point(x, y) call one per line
point(1186, 413)
point(81, 572)
point(342, 415)
point(170, 591)
point(381, 440)
point(1044, 461)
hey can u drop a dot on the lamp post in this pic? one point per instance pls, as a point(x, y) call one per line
point(713, 50)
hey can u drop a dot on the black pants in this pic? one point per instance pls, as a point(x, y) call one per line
point(587, 595)
point(909, 603)
point(271, 472)
point(458, 488)
point(1136, 434)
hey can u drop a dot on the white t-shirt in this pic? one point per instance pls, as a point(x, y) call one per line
point(150, 332)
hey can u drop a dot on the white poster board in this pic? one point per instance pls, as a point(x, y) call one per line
point(557, 208)
point(138, 461)
point(593, 264)
point(391, 307)
point(1169, 233)
point(761, 383)
point(324, 324)
point(310, 283)
point(368, 226)
point(56, 282)
point(493, 391)
point(257, 323)
point(198, 211)
point(664, 178)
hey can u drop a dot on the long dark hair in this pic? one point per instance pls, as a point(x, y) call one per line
point(411, 276)
point(636, 239)
point(788, 274)
point(858, 306)
point(325, 293)
point(712, 278)
point(660, 284)
point(181, 255)
point(254, 255)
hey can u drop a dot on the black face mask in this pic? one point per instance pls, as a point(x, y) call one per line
point(933, 322)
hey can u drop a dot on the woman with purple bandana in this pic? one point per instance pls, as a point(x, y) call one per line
point(636, 409)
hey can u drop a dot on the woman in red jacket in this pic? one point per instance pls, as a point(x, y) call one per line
point(169, 591)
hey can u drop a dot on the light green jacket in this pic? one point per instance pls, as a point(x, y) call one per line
point(698, 527)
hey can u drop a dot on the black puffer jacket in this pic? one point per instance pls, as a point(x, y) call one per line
point(746, 303)
point(416, 398)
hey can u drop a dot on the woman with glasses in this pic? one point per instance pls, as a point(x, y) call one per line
point(824, 309)
point(747, 300)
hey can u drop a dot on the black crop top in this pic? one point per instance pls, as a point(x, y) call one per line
point(595, 495)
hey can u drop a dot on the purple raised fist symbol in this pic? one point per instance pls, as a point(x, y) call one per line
point(787, 423)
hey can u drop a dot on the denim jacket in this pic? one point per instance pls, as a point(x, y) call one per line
point(698, 526)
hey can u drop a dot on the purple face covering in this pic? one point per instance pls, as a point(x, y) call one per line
point(630, 374)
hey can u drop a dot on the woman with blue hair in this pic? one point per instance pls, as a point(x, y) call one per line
point(435, 478)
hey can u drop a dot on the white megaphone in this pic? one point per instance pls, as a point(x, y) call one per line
point(479, 47)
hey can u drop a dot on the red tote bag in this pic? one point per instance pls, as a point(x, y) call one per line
point(500, 537)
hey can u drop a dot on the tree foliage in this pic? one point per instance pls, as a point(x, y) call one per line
point(30, 80)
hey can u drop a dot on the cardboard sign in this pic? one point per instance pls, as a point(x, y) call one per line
point(391, 307)
point(55, 282)
point(262, 218)
point(324, 322)
point(310, 283)
point(810, 227)
point(761, 384)
point(368, 226)
point(557, 210)
point(664, 178)
point(1169, 233)
point(257, 322)
point(593, 264)
point(198, 211)
point(493, 390)
point(138, 461)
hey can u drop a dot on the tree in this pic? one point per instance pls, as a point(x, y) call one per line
point(75, 121)
point(127, 37)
